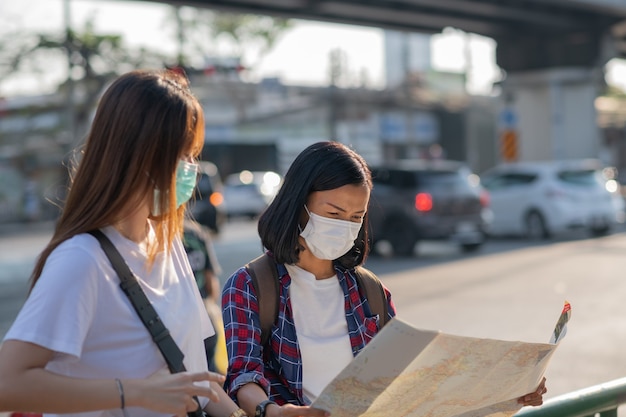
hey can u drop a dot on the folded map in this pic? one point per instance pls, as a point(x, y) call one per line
point(405, 371)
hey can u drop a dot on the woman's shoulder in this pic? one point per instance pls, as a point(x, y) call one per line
point(71, 262)
point(239, 278)
point(80, 253)
point(82, 245)
point(366, 279)
point(363, 271)
point(84, 252)
point(356, 271)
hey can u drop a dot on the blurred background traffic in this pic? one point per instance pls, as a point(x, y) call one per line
point(444, 92)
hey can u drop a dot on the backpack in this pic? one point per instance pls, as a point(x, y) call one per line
point(264, 276)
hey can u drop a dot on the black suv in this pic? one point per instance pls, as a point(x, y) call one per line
point(416, 200)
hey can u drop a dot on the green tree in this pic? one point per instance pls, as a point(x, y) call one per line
point(204, 33)
point(19, 56)
point(94, 60)
point(246, 29)
point(208, 37)
point(91, 59)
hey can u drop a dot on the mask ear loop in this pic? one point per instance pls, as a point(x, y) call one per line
point(154, 209)
point(300, 228)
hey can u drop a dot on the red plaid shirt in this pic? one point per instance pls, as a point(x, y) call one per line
point(279, 370)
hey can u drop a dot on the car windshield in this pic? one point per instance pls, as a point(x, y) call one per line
point(505, 180)
point(439, 178)
point(580, 177)
point(443, 180)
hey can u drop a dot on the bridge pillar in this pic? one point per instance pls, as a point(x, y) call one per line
point(554, 112)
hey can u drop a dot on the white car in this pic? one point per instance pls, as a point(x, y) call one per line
point(540, 199)
point(248, 193)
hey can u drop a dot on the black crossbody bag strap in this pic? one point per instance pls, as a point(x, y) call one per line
point(148, 315)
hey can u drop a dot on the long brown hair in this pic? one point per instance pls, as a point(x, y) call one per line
point(145, 122)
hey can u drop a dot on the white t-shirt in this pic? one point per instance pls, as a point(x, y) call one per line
point(319, 316)
point(78, 310)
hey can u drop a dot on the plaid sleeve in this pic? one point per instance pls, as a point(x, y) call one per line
point(242, 330)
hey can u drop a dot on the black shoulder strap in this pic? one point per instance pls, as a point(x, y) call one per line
point(374, 292)
point(264, 276)
point(150, 318)
point(128, 282)
point(148, 315)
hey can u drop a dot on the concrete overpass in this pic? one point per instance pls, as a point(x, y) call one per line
point(531, 34)
point(553, 52)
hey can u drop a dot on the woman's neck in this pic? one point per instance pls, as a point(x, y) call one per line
point(134, 227)
point(135, 232)
point(321, 268)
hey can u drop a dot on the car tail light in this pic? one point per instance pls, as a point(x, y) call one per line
point(423, 202)
point(485, 198)
point(216, 199)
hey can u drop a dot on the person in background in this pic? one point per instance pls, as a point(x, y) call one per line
point(77, 346)
point(315, 229)
point(198, 245)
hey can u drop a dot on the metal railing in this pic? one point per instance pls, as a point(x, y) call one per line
point(602, 400)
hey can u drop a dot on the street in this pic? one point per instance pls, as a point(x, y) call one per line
point(509, 290)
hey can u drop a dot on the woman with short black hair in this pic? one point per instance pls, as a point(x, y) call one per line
point(315, 232)
point(321, 167)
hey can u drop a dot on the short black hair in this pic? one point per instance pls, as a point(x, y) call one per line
point(320, 167)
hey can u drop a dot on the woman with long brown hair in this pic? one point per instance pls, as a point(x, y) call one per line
point(77, 346)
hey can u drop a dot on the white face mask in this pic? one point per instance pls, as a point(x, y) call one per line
point(329, 238)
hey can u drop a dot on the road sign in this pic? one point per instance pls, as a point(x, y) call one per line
point(509, 145)
point(508, 118)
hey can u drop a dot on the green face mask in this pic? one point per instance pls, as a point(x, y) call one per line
point(186, 179)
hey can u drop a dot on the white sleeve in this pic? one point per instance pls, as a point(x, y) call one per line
point(58, 313)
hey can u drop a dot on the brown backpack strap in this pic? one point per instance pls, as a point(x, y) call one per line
point(264, 276)
point(374, 292)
